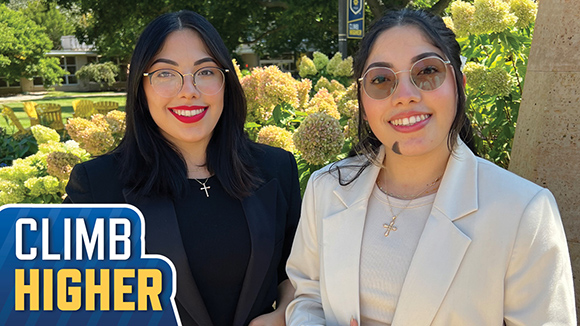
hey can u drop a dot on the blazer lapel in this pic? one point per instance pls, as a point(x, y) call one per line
point(442, 245)
point(165, 239)
point(260, 210)
point(342, 239)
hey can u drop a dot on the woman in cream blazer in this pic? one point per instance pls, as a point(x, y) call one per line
point(491, 248)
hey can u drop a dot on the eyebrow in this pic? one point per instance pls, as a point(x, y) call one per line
point(173, 63)
point(413, 59)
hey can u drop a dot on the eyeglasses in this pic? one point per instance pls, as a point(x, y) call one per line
point(168, 82)
point(427, 74)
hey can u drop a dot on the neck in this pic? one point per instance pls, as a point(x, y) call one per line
point(195, 157)
point(412, 176)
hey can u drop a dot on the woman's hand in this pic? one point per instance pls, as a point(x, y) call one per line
point(353, 322)
point(275, 318)
point(278, 316)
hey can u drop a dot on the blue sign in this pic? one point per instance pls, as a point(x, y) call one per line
point(355, 19)
point(81, 265)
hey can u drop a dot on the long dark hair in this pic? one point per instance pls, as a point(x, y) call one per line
point(435, 31)
point(152, 165)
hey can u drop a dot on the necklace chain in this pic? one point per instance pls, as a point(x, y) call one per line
point(204, 187)
point(391, 226)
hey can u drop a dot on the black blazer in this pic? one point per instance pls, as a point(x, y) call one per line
point(272, 213)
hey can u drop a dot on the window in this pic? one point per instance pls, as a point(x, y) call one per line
point(69, 64)
point(37, 81)
point(5, 83)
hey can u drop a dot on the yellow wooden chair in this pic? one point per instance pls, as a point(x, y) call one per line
point(30, 109)
point(104, 107)
point(83, 108)
point(7, 111)
point(50, 115)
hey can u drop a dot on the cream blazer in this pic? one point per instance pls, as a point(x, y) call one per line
point(493, 250)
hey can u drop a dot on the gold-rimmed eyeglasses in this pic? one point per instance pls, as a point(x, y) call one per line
point(169, 82)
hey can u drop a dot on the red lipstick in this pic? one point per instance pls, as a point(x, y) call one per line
point(188, 114)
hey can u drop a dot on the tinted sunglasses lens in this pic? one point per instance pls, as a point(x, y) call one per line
point(379, 83)
point(429, 74)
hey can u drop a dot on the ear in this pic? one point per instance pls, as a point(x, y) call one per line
point(464, 80)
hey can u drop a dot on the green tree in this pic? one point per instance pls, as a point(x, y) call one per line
point(47, 15)
point(271, 27)
point(23, 45)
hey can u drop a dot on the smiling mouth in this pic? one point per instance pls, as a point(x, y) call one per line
point(410, 121)
point(188, 113)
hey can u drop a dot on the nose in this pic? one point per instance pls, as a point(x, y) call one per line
point(188, 89)
point(406, 92)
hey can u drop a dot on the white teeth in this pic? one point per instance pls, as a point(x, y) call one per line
point(188, 113)
point(410, 121)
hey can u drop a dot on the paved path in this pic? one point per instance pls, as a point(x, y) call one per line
point(41, 95)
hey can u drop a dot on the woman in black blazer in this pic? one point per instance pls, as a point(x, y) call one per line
point(221, 207)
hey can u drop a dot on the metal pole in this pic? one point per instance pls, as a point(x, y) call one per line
point(342, 28)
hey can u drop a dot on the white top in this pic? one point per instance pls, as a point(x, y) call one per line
point(385, 260)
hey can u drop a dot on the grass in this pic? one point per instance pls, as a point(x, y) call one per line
point(65, 100)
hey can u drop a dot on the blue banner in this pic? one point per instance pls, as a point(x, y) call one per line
point(355, 19)
point(81, 265)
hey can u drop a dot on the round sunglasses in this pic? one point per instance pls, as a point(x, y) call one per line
point(426, 74)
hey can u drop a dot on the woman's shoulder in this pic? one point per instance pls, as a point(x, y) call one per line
point(272, 160)
point(492, 175)
point(96, 180)
point(102, 164)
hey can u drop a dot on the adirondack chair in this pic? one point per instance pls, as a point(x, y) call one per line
point(83, 108)
point(30, 109)
point(104, 107)
point(7, 111)
point(50, 115)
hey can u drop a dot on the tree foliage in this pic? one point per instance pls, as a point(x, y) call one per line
point(23, 45)
point(50, 17)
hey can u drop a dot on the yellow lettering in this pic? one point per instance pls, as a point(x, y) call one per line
point(21, 289)
point(101, 289)
point(121, 289)
point(47, 280)
point(64, 290)
point(152, 291)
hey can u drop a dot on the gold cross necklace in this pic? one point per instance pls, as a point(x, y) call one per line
point(391, 226)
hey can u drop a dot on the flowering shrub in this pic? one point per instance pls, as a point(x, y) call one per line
point(307, 67)
point(495, 37)
point(267, 87)
point(277, 137)
point(313, 122)
point(319, 139)
point(41, 177)
point(100, 134)
point(13, 146)
point(323, 102)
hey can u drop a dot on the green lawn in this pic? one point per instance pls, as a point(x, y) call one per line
point(65, 101)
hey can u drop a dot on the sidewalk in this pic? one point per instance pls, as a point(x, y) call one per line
point(41, 95)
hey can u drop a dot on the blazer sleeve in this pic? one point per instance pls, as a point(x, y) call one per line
point(292, 216)
point(303, 266)
point(538, 284)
